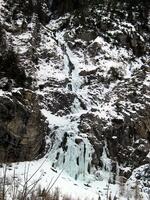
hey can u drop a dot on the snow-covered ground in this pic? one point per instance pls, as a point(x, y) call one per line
point(41, 173)
point(48, 178)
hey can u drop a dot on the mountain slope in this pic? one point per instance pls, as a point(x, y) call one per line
point(86, 74)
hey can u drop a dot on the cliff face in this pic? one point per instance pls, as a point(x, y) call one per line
point(21, 127)
point(84, 66)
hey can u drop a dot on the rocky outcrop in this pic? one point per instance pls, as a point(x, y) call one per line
point(21, 127)
point(61, 7)
point(126, 145)
point(127, 141)
point(27, 9)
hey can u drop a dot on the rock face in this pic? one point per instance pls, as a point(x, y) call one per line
point(67, 5)
point(85, 66)
point(21, 127)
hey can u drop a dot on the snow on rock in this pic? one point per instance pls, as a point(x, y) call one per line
point(93, 87)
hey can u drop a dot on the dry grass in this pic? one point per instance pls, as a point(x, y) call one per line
point(36, 194)
point(43, 195)
point(11, 187)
